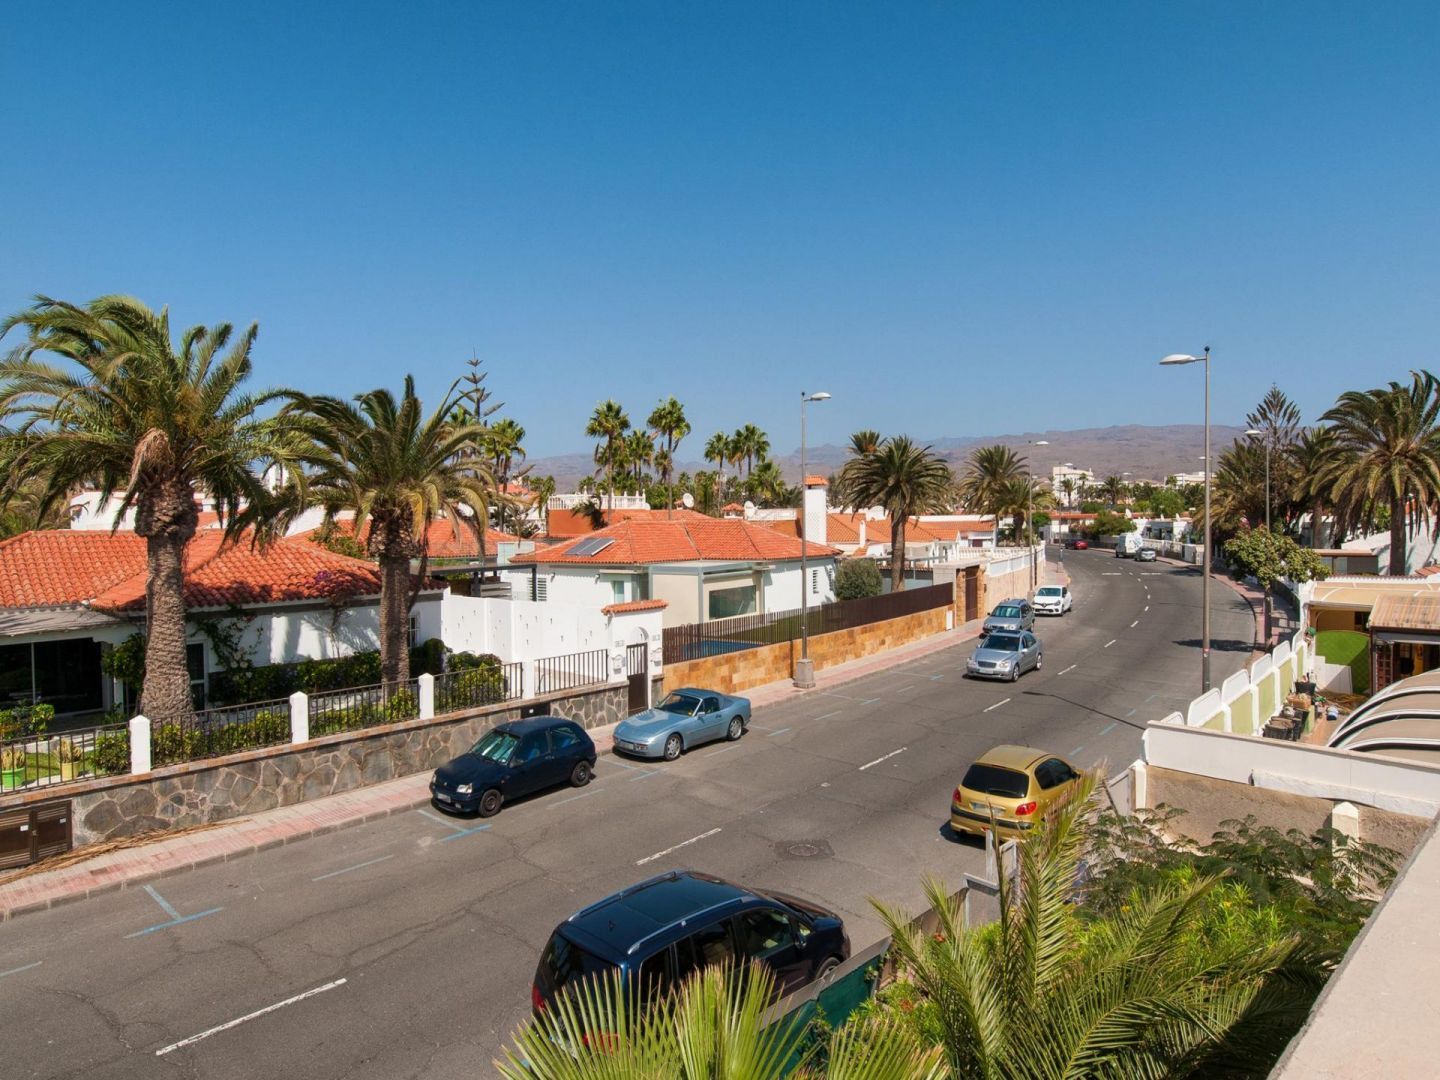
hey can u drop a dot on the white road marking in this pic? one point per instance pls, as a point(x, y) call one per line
point(822, 716)
point(357, 866)
point(1108, 643)
point(907, 686)
point(996, 705)
point(1110, 573)
point(677, 847)
point(1134, 624)
point(249, 1016)
point(16, 971)
point(777, 731)
point(1147, 607)
point(1072, 667)
point(887, 757)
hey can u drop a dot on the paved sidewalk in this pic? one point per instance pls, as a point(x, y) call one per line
point(167, 855)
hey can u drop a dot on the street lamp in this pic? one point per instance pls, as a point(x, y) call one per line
point(804, 670)
point(1030, 509)
point(1255, 432)
point(1169, 361)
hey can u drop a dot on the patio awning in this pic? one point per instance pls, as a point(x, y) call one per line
point(1407, 613)
point(17, 621)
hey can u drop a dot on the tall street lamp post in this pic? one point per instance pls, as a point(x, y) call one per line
point(1253, 432)
point(804, 670)
point(1030, 510)
point(1186, 358)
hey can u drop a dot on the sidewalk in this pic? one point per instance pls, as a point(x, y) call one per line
point(165, 855)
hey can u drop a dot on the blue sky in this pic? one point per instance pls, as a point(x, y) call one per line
point(958, 218)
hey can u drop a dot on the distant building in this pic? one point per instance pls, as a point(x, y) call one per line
point(1184, 479)
point(1080, 478)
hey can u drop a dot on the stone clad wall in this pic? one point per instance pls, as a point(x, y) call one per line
point(201, 792)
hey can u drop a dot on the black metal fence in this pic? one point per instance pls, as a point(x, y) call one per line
point(363, 706)
point(43, 760)
point(216, 732)
point(556, 673)
point(470, 688)
point(699, 640)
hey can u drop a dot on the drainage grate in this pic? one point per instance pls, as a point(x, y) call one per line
point(804, 849)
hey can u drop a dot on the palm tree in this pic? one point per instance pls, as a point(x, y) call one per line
point(1114, 490)
point(1238, 487)
point(543, 488)
point(667, 420)
point(767, 485)
point(904, 479)
point(717, 449)
point(1146, 992)
point(397, 471)
point(1017, 498)
point(608, 423)
point(988, 473)
point(1310, 455)
point(713, 1025)
point(1067, 485)
point(1387, 455)
point(639, 455)
point(502, 441)
point(157, 426)
point(754, 445)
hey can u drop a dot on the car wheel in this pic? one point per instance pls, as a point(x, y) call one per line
point(673, 746)
point(736, 729)
point(490, 803)
point(1039, 662)
point(1015, 673)
point(580, 775)
point(826, 971)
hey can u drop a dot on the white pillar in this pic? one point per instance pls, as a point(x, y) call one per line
point(426, 683)
point(299, 717)
point(139, 744)
point(1345, 819)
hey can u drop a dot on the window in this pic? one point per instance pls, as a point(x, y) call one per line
point(531, 748)
point(1052, 773)
point(704, 948)
point(763, 932)
point(195, 666)
point(654, 975)
point(814, 582)
point(995, 780)
point(414, 631)
point(724, 603)
point(617, 591)
point(710, 705)
point(563, 739)
point(541, 590)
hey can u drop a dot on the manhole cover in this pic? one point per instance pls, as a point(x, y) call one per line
point(804, 849)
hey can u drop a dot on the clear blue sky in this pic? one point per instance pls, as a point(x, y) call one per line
point(910, 205)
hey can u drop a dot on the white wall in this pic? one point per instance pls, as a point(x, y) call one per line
point(782, 585)
point(517, 630)
point(586, 587)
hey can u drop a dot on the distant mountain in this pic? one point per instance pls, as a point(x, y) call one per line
point(1147, 452)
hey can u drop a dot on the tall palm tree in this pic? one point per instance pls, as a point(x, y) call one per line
point(397, 470)
point(543, 488)
point(1312, 453)
point(717, 449)
point(667, 420)
point(1067, 485)
point(608, 423)
point(1018, 498)
point(767, 484)
point(503, 442)
point(754, 444)
point(904, 479)
point(987, 475)
point(133, 415)
point(1143, 993)
point(639, 455)
point(1113, 489)
point(1387, 454)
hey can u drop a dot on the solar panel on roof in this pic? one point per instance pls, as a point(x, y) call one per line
point(591, 546)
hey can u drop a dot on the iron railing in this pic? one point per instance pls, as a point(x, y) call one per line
point(470, 688)
point(216, 732)
point(44, 760)
point(698, 640)
point(363, 706)
point(637, 659)
point(556, 673)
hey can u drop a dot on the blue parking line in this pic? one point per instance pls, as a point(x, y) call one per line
point(165, 905)
point(463, 832)
point(357, 866)
point(173, 922)
point(1110, 727)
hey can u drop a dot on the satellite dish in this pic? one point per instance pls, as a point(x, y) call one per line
point(688, 501)
point(749, 508)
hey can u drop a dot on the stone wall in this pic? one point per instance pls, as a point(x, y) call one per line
point(201, 792)
point(733, 673)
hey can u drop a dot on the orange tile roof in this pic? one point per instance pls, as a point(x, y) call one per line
point(64, 568)
point(442, 538)
point(838, 528)
point(571, 523)
point(816, 481)
point(644, 542)
point(634, 605)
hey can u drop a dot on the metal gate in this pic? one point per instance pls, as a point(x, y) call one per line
point(637, 668)
point(35, 833)
point(971, 585)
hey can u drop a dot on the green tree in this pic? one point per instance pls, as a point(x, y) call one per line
point(638, 454)
point(752, 444)
point(667, 420)
point(1164, 503)
point(543, 487)
point(986, 482)
point(1386, 456)
point(397, 471)
point(857, 578)
point(904, 479)
point(608, 423)
point(1310, 455)
point(503, 441)
point(1267, 556)
point(1067, 486)
point(717, 449)
point(152, 424)
point(1108, 523)
point(1114, 490)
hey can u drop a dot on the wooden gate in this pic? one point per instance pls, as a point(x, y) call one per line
point(637, 668)
point(970, 582)
point(35, 833)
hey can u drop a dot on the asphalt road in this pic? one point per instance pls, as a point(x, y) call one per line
point(416, 936)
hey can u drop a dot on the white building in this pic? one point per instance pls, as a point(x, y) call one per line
point(1080, 478)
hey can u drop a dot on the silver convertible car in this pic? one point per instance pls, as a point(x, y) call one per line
point(686, 718)
point(1005, 655)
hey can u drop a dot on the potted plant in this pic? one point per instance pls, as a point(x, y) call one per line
point(70, 756)
point(12, 768)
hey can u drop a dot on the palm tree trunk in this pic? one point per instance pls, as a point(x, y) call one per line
point(394, 618)
point(166, 691)
point(897, 555)
point(1397, 537)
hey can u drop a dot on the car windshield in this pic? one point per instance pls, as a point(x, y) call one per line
point(1007, 611)
point(681, 704)
point(1049, 590)
point(1004, 642)
point(993, 780)
point(565, 963)
point(496, 746)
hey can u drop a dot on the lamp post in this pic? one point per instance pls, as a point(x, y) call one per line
point(1186, 358)
point(1253, 432)
point(1030, 510)
point(804, 670)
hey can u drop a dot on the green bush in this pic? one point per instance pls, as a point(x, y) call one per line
point(25, 721)
point(402, 706)
point(171, 744)
point(112, 753)
point(471, 684)
point(271, 682)
point(857, 578)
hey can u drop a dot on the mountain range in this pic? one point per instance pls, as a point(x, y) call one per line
point(1147, 452)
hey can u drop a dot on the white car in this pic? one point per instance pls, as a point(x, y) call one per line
point(1053, 600)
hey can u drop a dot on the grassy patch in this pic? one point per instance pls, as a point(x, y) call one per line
point(1350, 648)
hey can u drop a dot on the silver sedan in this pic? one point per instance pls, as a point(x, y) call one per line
point(1003, 655)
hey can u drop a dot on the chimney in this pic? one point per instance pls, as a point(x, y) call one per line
point(814, 511)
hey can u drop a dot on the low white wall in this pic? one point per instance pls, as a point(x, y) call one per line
point(1248, 698)
point(517, 630)
point(1404, 787)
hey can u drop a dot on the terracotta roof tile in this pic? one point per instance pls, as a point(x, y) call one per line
point(634, 605)
point(659, 541)
point(838, 528)
point(572, 523)
point(816, 481)
point(447, 538)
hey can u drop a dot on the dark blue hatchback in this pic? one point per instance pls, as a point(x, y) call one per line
point(660, 931)
point(512, 760)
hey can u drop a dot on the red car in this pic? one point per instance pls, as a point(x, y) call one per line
point(1078, 545)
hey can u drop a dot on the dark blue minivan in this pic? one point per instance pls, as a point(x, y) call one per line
point(660, 931)
point(512, 760)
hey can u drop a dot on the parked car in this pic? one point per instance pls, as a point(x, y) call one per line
point(1145, 554)
point(1078, 544)
point(1053, 600)
point(1005, 654)
point(515, 759)
point(656, 933)
point(1009, 789)
point(685, 719)
point(1010, 615)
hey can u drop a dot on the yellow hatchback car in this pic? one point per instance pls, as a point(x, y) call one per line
point(1010, 789)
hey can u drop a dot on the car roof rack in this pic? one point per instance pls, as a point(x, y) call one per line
point(685, 922)
point(669, 875)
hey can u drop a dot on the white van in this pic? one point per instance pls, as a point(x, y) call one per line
point(1127, 544)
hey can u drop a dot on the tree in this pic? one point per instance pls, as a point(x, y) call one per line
point(987, 476)
point(1164, 503)
point(1114, 490)
point(667, 420)
point(1267, 556)
point(1386, 456)
point(1109, 523)
point(1312, 453)
point(767, 485)
point(608, 423)
point(904, 479)
point(502, 442)
point(638, 453)
point(752, 445)
point(857, 578)
point(1152, 990)
point(1237, 498)
point(157, 426)
point(717, 449)
point(543, 488)
point(1067, 485)
point(397, 471)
